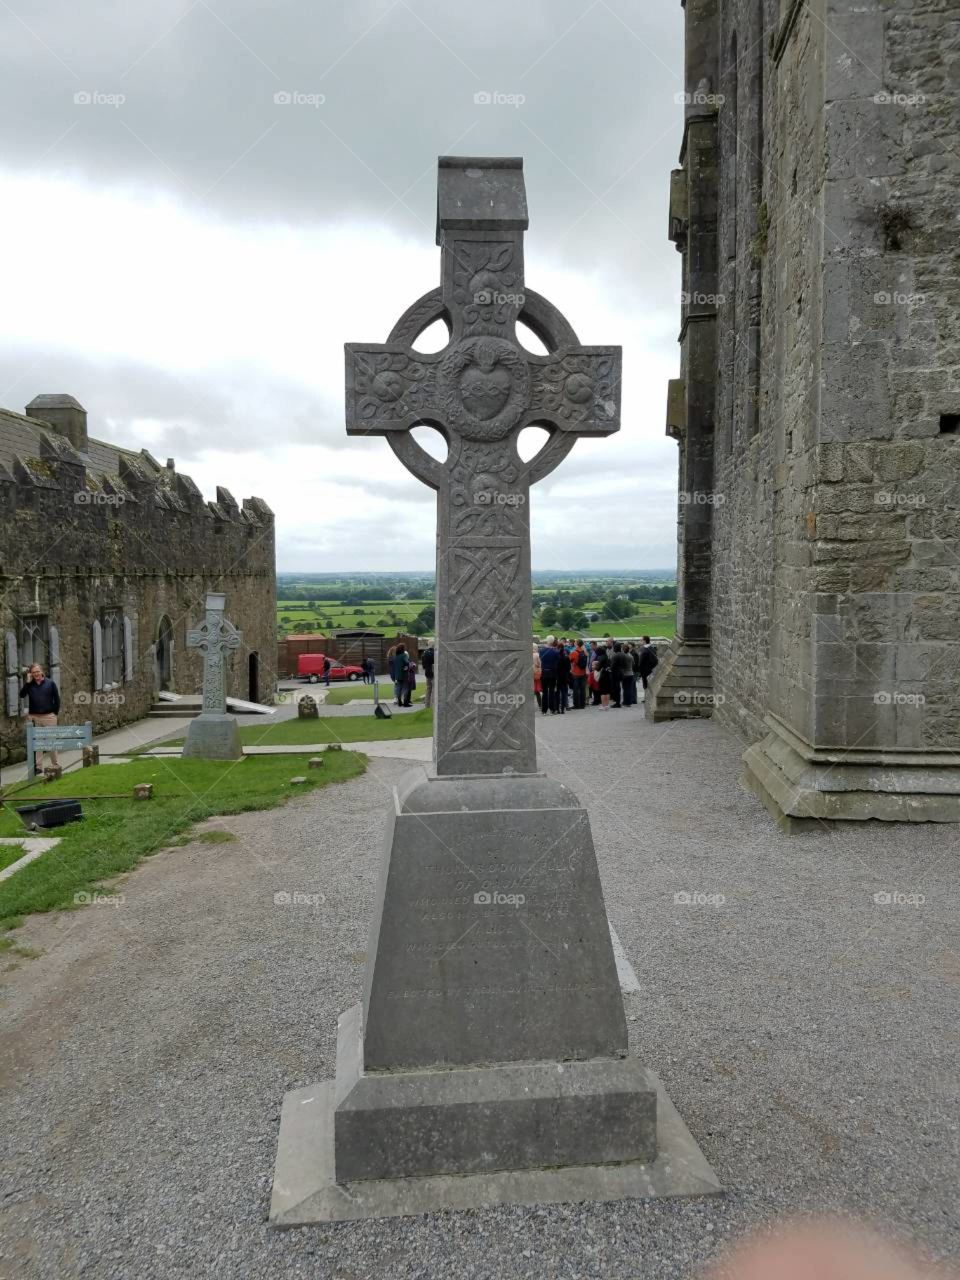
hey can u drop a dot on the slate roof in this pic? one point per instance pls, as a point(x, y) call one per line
point(22, 435)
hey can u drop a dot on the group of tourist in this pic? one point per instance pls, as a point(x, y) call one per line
point(567, 672)
point(403, 674)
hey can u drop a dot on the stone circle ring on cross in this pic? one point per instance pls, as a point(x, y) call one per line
point(484, 387)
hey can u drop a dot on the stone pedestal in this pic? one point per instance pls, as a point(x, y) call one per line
point(213, 737)
point(490, 1052)
point(682, 683)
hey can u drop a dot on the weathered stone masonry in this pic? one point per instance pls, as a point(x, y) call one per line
point(106, 560)
point(819, 402)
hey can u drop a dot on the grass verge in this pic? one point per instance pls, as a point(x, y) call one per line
point(116, 833)
point(361, 692)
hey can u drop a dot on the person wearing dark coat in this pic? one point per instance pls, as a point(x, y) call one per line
point(647, 660)
point(401, 660)
point(549, 662)
point(563, 676)
point(43, 706)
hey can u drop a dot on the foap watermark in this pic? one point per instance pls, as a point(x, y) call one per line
point(698, 499)
point(889, 498)
point(885, 298)
point(94, 98)
point(894, 698)
point(497, 498)
point(895, 898)
point(98, 698)
point(493, 898)
point(699, 98)
point(493, 298)
point(96, 498)
point(685, 898)
point(84, 898)
point(298, 899)
point(496, 98)
point(497, 698)
point(885, 98)
point(698, 698)
point(702, 299)
point(296, 98)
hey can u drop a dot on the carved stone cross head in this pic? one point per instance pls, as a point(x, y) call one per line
point(480, 392)
point(484, 386)
point(215, 637)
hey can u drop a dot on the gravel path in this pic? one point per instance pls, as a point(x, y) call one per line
point(806, 1033)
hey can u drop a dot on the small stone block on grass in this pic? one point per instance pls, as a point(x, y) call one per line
point(91, 756)
point(315, 762)
point(52, 773)
point(297, 781)
point(307, 708)
point(143, 791)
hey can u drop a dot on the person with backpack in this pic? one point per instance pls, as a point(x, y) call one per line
point(579, 661)
point(427, 658)
point(648, 660)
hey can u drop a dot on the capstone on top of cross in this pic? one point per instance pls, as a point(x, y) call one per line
point(483, 386)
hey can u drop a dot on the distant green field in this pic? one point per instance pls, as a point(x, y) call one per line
point(386, 616)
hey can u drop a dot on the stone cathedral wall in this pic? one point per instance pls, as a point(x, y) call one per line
point(837, 458)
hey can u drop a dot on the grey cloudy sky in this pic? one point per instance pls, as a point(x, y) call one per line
point(206, 198)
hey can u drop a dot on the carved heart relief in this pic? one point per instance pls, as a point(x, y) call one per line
point(485, 392)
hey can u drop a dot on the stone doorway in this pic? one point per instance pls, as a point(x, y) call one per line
point(164, 653)
point(253, 677)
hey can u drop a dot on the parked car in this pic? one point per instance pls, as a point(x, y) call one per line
point(310, 667)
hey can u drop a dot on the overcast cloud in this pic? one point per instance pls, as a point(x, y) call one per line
point(187, 255)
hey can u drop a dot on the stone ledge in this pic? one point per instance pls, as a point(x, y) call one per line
point(802, 792)
point(305, 1189)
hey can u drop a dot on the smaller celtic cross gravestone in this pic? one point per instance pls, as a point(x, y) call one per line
point(213, 734)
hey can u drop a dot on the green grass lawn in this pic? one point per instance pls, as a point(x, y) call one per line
point(115, 834)
point(355, 692)
point(415, 724)
point(332, 729)
point(11, 853)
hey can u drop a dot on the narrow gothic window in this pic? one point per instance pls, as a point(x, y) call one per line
point(112, 623)
point(34, 642)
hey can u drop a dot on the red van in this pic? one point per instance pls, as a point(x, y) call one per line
point(310, 667)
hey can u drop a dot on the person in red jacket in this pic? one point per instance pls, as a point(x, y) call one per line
point(579, 662)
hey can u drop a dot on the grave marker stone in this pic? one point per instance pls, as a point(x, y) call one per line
point(213, 735)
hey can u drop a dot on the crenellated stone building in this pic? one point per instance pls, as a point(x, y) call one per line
point(818, 406)
point(106, 559)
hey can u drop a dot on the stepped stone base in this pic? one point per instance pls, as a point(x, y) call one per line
point(682, 684)
point(489, 1064)
point(803, 787)
point(310, 1152)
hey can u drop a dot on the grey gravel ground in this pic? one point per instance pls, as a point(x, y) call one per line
point(806, 1033)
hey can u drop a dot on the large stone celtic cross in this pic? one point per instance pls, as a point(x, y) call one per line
point(215, 638)
point(480, 392)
